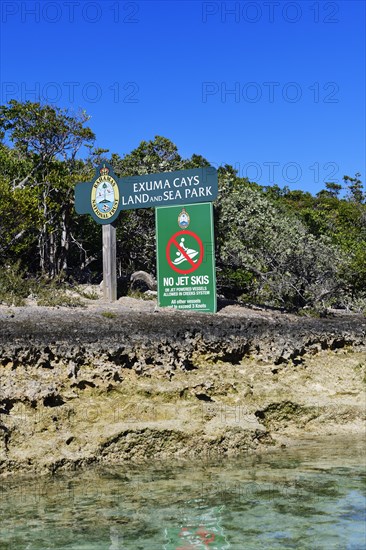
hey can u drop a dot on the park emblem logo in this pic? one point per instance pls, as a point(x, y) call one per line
point(104, 195)
point(183, 219)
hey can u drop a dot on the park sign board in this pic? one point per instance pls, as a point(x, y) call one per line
point(107, 195)
point(186, 257)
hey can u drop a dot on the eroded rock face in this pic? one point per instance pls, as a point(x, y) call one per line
point(79, 387)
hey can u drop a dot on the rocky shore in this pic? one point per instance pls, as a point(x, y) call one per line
point(127, 381)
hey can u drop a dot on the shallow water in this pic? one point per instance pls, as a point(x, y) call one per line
point(312, 497)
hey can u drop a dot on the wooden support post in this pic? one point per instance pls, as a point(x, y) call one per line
point(109, 263)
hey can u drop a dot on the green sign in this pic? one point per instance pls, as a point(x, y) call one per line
point(186, 257)
point(106, 195)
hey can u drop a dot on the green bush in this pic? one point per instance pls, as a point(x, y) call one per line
point(14, 286)
point(289, 266)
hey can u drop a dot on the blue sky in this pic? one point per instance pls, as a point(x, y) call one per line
point(277, 89)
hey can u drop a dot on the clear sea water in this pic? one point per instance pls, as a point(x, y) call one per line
point(309, 497)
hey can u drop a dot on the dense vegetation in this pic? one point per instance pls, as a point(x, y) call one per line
point(274, 246)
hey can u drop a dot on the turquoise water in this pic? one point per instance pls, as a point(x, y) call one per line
point(312, 497)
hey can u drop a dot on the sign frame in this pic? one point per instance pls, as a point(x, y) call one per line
point(196, 185)
point(194, 288)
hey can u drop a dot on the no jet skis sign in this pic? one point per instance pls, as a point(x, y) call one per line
point(186, 257)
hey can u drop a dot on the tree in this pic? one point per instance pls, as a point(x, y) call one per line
point(157, 155)
point(44, 131)
point(288, 265)
point(355, 188)
point(47, 139)
point(333, 189)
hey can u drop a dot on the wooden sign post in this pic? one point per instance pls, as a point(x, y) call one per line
point(109, 263)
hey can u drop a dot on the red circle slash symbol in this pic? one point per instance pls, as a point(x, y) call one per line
point(192, 256)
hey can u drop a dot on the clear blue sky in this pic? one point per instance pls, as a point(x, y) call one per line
point(296, 70)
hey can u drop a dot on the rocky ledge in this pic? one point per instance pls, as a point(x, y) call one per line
point(111, 383)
